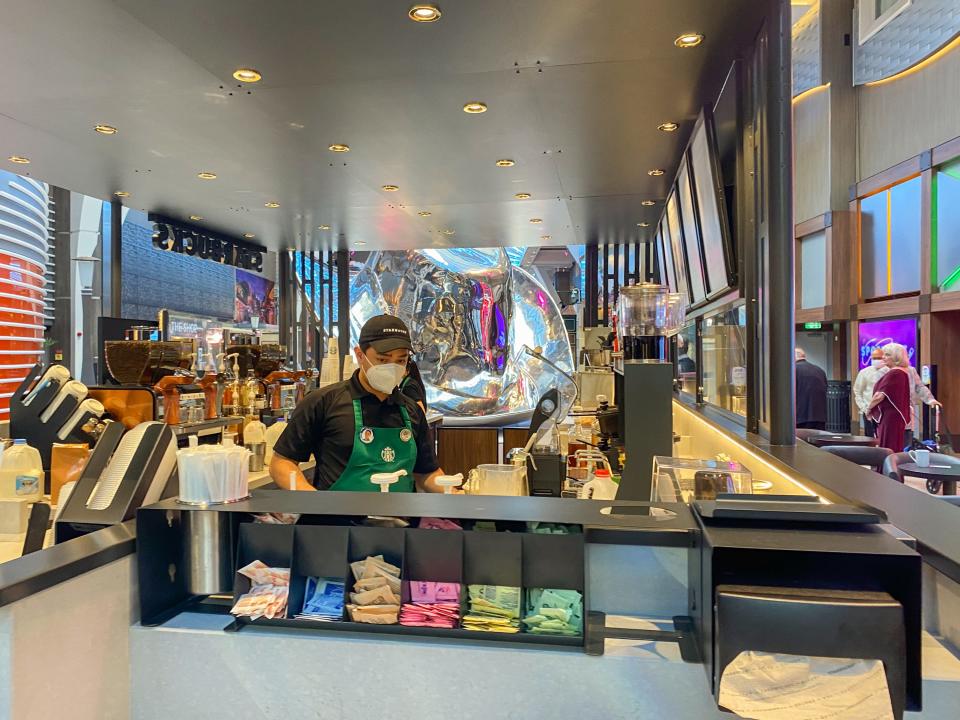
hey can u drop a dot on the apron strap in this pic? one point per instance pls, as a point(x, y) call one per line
point(406, 418)
point(357, 417)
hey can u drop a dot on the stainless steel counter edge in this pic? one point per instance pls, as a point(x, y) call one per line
point(928, 519)
point(38, 571)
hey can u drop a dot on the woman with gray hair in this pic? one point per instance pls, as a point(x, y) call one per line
point(890, 406)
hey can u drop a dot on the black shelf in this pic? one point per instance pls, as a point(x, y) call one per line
point(523, 560)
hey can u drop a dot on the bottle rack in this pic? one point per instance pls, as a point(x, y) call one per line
point(465, 557)
point(25, 419)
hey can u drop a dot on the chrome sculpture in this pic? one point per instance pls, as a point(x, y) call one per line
point(488, 338)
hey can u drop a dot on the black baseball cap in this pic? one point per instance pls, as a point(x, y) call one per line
point(385, 333)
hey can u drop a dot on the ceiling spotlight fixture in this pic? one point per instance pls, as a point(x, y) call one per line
point(475, 107)
point(247, 75)
point(105, 129)
point(19, 159)
point(424, 213)
point(207, 175)
point(667, 127)
point(545, 237)
point(505, 162)
point(122, 193)
point(248, 236)
point(656, 172)
point(536, 221)
point(338, 147)
point(390, 188)
point(359, 242)
point(643, 224)
point(648, 203)
point(196, 218)
point(271, 204)
point(449, 232)
point(523, 196)
point(688, 40)
point(323, 227)
point(424, 13)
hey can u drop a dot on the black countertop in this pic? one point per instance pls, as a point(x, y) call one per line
point(934, 523)
point(604, 521)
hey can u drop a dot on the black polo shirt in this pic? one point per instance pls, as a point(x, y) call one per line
point(323, 425)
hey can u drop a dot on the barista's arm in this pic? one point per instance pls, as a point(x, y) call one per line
point(280, 470)
point(426, 482)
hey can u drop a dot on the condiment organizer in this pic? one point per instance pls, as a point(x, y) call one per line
point(524, 560)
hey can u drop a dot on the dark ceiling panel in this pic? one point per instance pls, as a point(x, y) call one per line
point(575, 91)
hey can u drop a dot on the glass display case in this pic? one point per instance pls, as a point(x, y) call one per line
point(688, 479)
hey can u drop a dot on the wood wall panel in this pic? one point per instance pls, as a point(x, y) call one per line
point(459, 450)
point(514, 438)
point(945, 354)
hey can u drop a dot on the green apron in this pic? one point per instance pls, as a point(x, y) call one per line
point(379, 450)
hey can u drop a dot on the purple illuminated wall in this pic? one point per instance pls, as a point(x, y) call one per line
point(881, 332)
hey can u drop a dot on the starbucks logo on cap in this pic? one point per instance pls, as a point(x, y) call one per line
point(388, 455)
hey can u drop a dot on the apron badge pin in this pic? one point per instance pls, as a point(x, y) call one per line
point(405, 435)
point(366, 436)
point(388, 455)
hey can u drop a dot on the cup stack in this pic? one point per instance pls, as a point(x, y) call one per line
point(212, 474)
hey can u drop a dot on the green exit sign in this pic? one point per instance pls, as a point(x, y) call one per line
point(812, 325)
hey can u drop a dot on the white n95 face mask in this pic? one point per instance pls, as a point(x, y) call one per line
point(877, 363)
point(384, 378)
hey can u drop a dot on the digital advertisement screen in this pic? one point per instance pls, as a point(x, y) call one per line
point(881, 332)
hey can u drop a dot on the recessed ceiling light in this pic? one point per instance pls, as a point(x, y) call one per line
point(667, 127)
point(545, 237)
point(648, 203)
point(323, 227)
point(424, 13)
point(271, 204)
point(505, 162)
point(656, 172)
point(424, 213)
point(247, 75)
point(19, 159)
point(105, 129)
point(643, 224)
point(359, 242)
point(688, 40)
point(339, 147)
point(475, 107)
point(207, 175)
point(523, 196)
point(390, 188)
point(196, 218)
point(536, 221)
point(249, 235)
point(449, 232)
point(122, 193)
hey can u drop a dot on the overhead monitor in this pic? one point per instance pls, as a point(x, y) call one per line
point(691, 235)
point(711, 206)
point(661, 263)
point(667, 251)
point(676, 244)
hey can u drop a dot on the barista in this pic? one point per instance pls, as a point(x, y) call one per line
point(363, 425)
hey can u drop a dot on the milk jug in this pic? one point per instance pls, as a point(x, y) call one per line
point(21, 472)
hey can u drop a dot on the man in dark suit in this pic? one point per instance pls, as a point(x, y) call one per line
point(811, 394)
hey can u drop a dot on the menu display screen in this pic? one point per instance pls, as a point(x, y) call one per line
point(882, 332)
point(666, 252)
point(691, 235)
point(676, 244)
point(711, 223)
